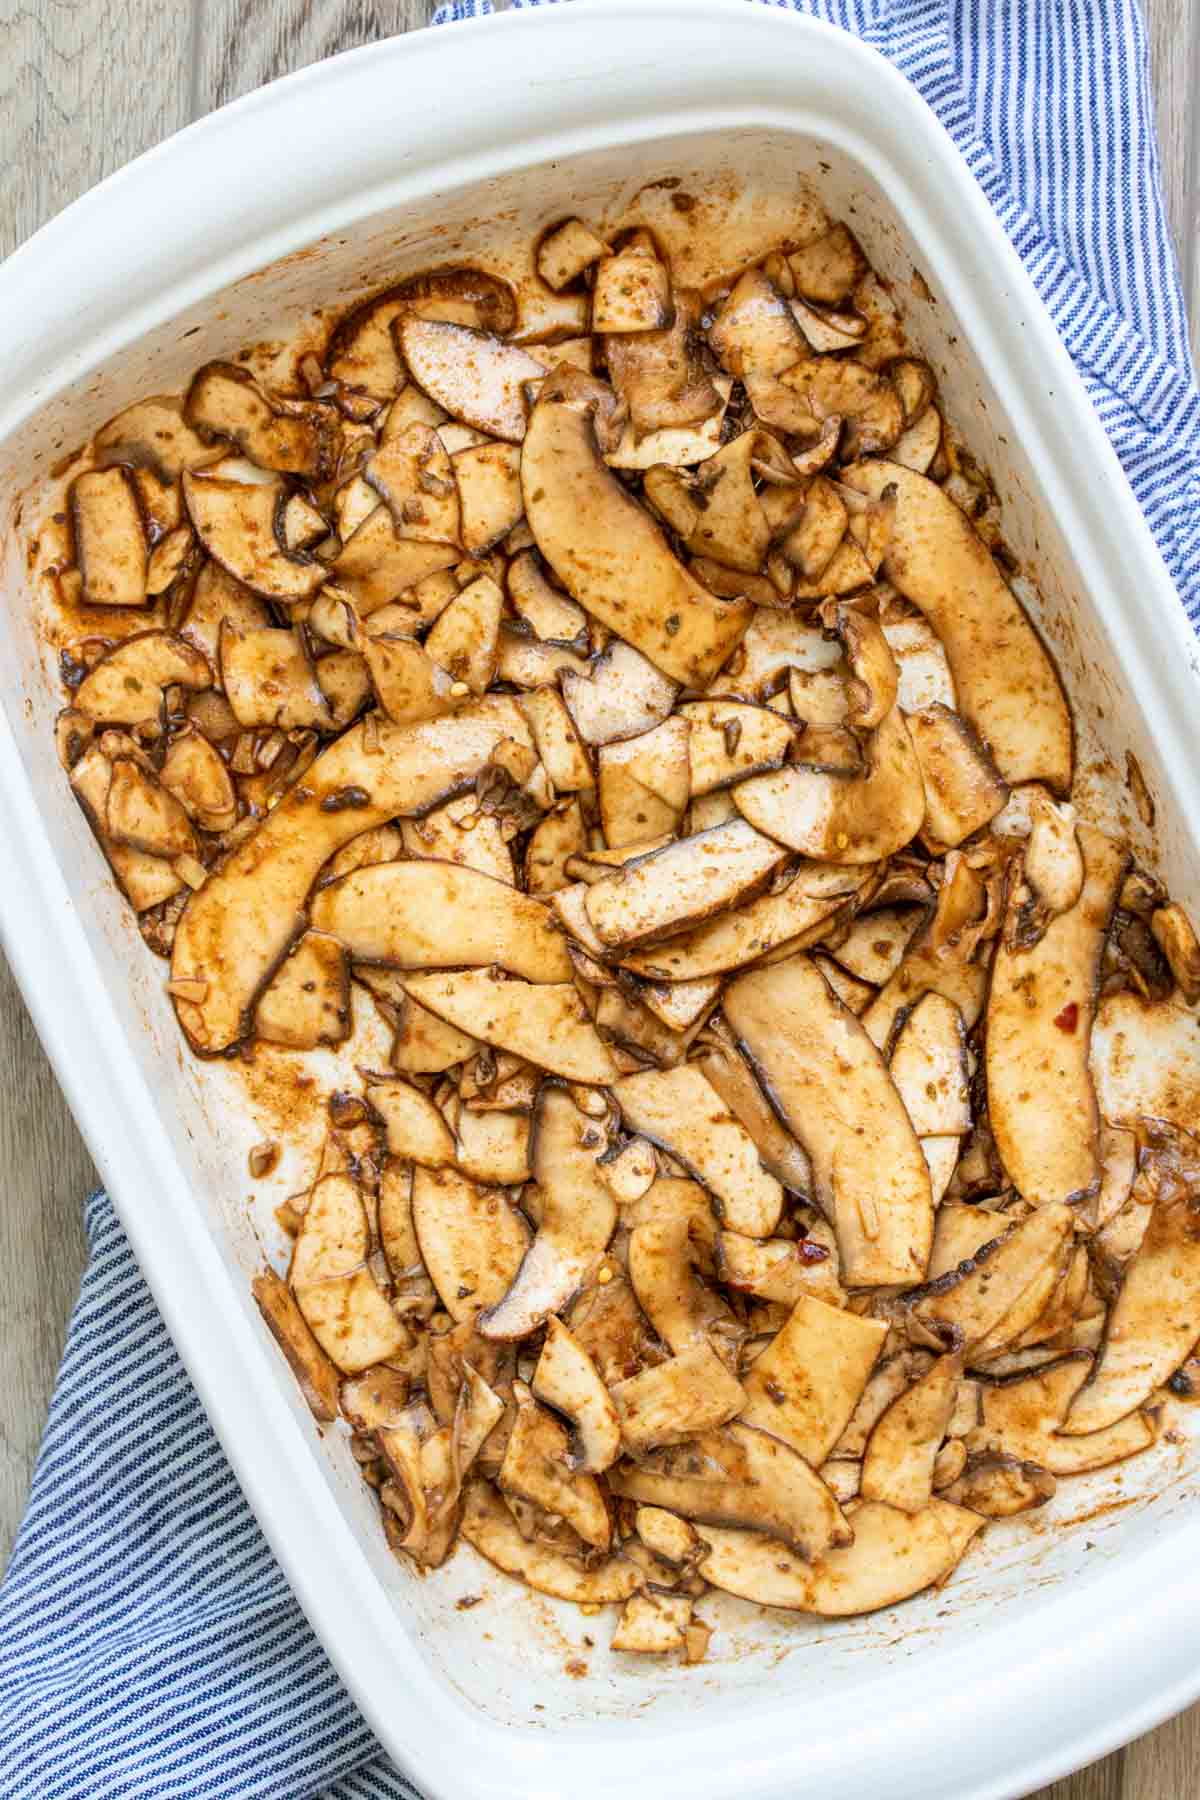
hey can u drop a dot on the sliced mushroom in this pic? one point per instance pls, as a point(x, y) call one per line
point(490, 1528)
point(778, 1493)
point(682, 884)
point(676, 1400)
point(578, 1216)
point(241, 922)
point(237, 522)
point(782, 1270)
point(929, 1067)
point(489, 486)
point(1145, 1061)
point(1154, 1322)
point(1053, 865)
point(826, 330)
point(536, 1467)
point(560, 835)
point(197, 777)
point(1006, 684)
point(980, 1301)
point(727, 1072)
point(308, 999)
point(1176, 939)
point(643, 784)
point(925, 970)
point(665, 383)
point(1000, 1486)
point(414, 477)
point(963, 791)
point(152, 434)
point(901, 1450)
point(144, 815)
point(471, 1239)
point(566, 251)
point(894, 1555)
point(474, 375)
point(127, 685)
point(870, 1175)
point(840, 817)
point(729, 740)
point(334, 1288)
point(1041, 1100)
point(423, 1044)
point(655, 1623)
point(110, 538)
point(664, 1247)
point(465, 639)
point(145, 880)
point(361, 350)
point(414, 1128)
point(609, 554)
point(828, 268)
point(756, 333)
point(807, 1382)
point(294, 437)
point(377, 564)
point(632, 290)
point(567, 1379)
point(557, 741)
point(867, 403)
point(680, 1005)
point(811, 899)
point(960, 1233)
point(437, 915)
point(315, 1374)
point(546, 1024)
point(1024, 1419)
point(216, 596)
point(872, 947)
point(681, 1110)
point(458, 832)
point(269, 679)
point(493, 1147)
point(549, 613)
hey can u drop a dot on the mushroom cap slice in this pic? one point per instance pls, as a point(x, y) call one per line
point(611, 556)
point(336, 1292)
point(476, 377)
point(471, 1239)
point(813, 897)
point(811, 1376)
point(901, 1450)
point(894, 1555)
point(414, 1129)
point(1041, 1101)
point(829, 1083)
point(1152, 1325)
point(676, 1400)
point(307, 1001)
point(1024, 1418)
point(426, 914)
point(578, 1216)
point(536, 1468)
point(567, 1379)
point(929, 1067)
point(972, 1301)
point(842, 817)
point(727, 1071)
point(683, 1310)
point(963, 792)
point(545, 1023)
point(778, 1493)
point(1145, 1061)
point(781, 1269)
point(126, 686)
point(1006, 683)
point(622, 695)
point(682, 884)
point(729, 740)
point(679, 1109)
point(316, 1375)
point(110, 538)
point(489, 1527)
point(237, 521)
point(237, 927)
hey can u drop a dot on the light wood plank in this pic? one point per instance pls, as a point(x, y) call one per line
point(240, 44)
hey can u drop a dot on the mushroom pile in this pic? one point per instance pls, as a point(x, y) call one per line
point(785, 1163)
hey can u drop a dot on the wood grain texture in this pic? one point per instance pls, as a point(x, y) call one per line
point(84, 85)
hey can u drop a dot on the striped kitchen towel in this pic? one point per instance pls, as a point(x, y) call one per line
point(148, 1643)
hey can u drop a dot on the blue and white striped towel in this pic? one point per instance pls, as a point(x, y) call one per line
point(148, 1643)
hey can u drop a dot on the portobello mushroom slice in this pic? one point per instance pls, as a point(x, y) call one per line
point(929, 1067)
point(609, 554)
point(866, 402)
point(567, 1379)
point(362, 352)
point(270, 679)
point(679, 1109)
point(239, 925)
point(643, 784)
point(838, 817)
point(925, 971)
point(1005, 681)
point(145, 880)
point(680, 1005)
point(811, 1055)
point(1024, 1419)
point(144, 815)
point(237, 522)
point(809, 1379)
point(557, 741)
point(872, 946)
point(153, 434)
point(196, 775)
point(471, 1239)
point(1145, 1061)
point(662, 379)
point(998, 1487)
point(1154, 1322)
point(918, 445)
point(408, 684)
point(632, 289)
point(676, 1400)
point(898, 1465)
point(893, 1556)
point(216, 596)
point(474, 375)
point(127, 685)
point(1053, 865)
point(778, 1494)
point(110, 539)
point(783, 1270)
point(378, 564)
point(727, 1072)
point(656, 1623)
point(414, 1129)
point(423, 1044)
point(489, 487)
point(1041, 1100)
point(416, 481)
point(578, 1217)
point(560, 836)
point(493, 1147)
point(664, 1246)
point(440, 915)
point(756, 333)
point(813, 897)
point(333, 1285)
point(457, 832)
point(828, 268)
point(308, 1000)
point(536, 1468)
point(963, 791)
point(547, 1024)
point(657, 895)
point(315, 1374)
point(729, 740)
point(960, 1233)
point(566, 251)
point(550, 614)
point(294, 437)
point(489, 1527)
point(980, 1301)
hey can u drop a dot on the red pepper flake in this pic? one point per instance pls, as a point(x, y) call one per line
point(1068, 1018)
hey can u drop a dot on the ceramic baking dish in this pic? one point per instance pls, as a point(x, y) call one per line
point(1055, 1641)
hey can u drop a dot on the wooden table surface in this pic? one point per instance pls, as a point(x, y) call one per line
point(84, 86)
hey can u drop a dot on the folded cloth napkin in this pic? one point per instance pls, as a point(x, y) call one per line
point(148, 1642)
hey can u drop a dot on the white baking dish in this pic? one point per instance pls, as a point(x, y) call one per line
point(1052, 1644)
